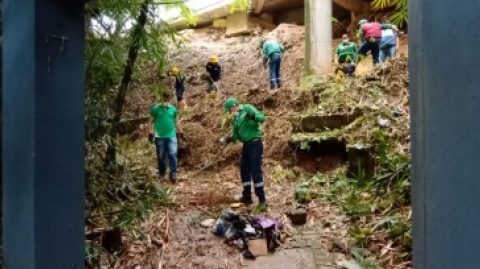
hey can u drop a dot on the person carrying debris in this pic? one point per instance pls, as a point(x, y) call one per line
point(246, 129)
point(214, 71)
point(346, 53)
point(272, 51)
point(389, 44)
point(371, 35)
point(179, 87)
point(165, 128)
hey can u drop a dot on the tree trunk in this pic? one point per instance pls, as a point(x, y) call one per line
point(126, 80)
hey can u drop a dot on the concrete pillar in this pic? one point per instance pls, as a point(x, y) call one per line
point(320, 39)
point(445, 112)
point(43, 134)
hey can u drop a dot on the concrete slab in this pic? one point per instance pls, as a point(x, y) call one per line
point(285, 259)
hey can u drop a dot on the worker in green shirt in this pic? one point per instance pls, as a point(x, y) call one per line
point(164, 134)
point(272, 53)
point(246, 129)
point(346, 53)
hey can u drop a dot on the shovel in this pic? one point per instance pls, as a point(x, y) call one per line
point(215, 84)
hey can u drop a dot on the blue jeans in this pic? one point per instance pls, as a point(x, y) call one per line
point(179, 93)
point(166, 147)
point(275, 78)
point(374, 47)
point(388, 51)
point(251, 169)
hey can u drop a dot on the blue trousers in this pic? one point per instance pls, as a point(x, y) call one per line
point(388, 51)
point(179, 93)
point(275, 78)
point(166, 147)
point(374, 47)
point(251, 169)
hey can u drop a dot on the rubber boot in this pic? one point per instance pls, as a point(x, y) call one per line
point(183, 104)
point(246, 196)
point(207, 98)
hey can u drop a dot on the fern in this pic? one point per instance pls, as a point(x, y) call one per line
point(400, 17)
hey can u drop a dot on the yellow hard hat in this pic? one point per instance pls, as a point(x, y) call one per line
point(214, 59)
point(175, 70)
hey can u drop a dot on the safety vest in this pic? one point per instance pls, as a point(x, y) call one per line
point(372, 29)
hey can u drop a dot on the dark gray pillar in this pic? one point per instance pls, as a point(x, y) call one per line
point(445, 106)
point(43, 134)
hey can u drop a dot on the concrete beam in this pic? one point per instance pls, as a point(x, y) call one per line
point(320, 47)
point(259, 6)
point(237, 24)
point(351, 5)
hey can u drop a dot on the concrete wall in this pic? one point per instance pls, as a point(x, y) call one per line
point(237, 23)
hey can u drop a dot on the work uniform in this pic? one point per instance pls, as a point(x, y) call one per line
point(164, 117)
point(346, 53)
point(371, 35)
point(272, 52)
point(214, 71)
point(388, 45)
point(246, 129)
point(179, 86)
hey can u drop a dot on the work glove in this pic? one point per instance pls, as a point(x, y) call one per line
point(227, 140)
point(251, 115)
point(151, 138)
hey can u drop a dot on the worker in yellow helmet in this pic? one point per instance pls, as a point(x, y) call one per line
point(214, 73)
point(179, 87)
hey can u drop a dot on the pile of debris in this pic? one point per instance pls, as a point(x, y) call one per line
point(351, 109)
point(253, 235)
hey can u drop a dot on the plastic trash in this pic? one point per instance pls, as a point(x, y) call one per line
point(219, 228)
point(249, 229)
point(208, 223)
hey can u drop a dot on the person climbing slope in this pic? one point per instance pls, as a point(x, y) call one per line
point(371, 35)
point(246, 129)
point(272, 53)
point(214, 73)
point(179, 87)
point(390, 43)
point(163, 129)
point(346, 53)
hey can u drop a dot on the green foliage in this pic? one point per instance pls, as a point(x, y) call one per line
point(240, 5)
point(125, 195)
point(400, 17)
point(384, 199)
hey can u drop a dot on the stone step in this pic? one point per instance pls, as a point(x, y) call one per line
point(310, 124)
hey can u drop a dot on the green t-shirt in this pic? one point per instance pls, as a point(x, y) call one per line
point(164, 118)
point(346, 49)
point(245, 129)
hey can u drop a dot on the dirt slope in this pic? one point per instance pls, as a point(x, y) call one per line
point(245, 78)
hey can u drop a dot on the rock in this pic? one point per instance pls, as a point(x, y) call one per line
point(208, 223)
point(339, 246)
point(297, 170)
point(298, 216)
